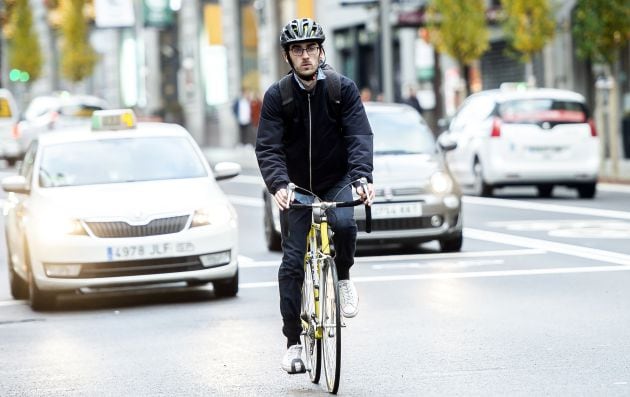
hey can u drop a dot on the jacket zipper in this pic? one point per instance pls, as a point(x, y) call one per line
point(310, 144)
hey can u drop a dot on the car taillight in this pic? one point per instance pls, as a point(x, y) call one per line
point(496, 127)
point(591, 124)
point(16, 131)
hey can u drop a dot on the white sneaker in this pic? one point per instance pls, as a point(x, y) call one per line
point(349, 298)
point(292, 360)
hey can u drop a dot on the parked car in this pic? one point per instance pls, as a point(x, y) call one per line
point(540, 137)
point(118, 205)
point(9, 115)
point(54, 112)
point(417, 199)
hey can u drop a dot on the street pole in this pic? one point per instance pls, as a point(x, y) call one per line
point(387, 59)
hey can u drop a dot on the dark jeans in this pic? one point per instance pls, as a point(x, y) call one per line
point(291, 272)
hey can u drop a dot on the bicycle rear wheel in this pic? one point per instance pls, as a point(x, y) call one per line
point(312, 346)
point(331, 338)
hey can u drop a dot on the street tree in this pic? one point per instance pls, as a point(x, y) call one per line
point(23, 45)
point(458, 28)
point(78, 58)
point(528, 25)
point(600, 30)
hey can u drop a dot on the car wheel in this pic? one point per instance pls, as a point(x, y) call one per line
point(226, 288)
point(272, 237)
point(453, 243)
point(544, 190)
point(40, 300)
point(587, 190)
point(19, 287)
point(481, 188)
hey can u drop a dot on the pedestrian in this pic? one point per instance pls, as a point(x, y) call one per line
point(411, 99)
point(243, 113)
point(322, 152)
point(366, 94)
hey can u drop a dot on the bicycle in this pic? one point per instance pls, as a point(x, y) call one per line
point(320, 313)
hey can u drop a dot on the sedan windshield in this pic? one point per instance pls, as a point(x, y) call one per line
point(118, 161)
point(400, 132)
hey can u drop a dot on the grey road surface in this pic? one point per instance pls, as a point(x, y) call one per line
point(534, 305)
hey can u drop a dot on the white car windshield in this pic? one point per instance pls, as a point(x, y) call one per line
point(119, 161)
point(400, 132)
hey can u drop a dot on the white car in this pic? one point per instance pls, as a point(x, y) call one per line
point(117, 205)
point(539, 137)
point(54, 112)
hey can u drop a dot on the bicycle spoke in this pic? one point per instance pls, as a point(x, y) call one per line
point(331, 341)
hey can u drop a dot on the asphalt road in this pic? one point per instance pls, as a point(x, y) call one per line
point(535, 304)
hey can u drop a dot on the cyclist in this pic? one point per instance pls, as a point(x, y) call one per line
point(320, 152)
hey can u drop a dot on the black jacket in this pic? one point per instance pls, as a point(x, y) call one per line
point(312, 152)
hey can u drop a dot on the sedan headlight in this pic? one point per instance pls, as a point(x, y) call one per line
point(216, 215)
point(62, 226)
point(441, 182)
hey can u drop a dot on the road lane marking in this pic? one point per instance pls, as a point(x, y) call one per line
point(525, 205)
point(461, 275)
point(247, 262)
point(560, 248)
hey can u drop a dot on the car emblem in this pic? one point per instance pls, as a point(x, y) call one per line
point(546, 125)
point(137, 217)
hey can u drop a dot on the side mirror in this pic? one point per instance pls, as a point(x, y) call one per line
point(443, 124)
point(446, 143)
point(15, 184)
point(226, 170)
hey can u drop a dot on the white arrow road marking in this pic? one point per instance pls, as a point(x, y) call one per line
point(560, 248)
point(525, 205)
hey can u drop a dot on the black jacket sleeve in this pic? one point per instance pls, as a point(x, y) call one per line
point(357, 132)
point(269, 147)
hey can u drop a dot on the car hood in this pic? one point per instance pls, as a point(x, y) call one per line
point(138, 201)
point(404, 169)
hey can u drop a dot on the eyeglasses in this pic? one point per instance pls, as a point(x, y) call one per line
point(310, 50)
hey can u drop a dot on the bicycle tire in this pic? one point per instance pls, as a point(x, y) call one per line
point(331, 337)
point(312, 346)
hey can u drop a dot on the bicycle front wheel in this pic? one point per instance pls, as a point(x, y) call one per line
point(331, 338)
point(312, 345)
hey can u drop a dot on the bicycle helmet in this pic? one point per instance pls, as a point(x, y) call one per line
point(301, 30)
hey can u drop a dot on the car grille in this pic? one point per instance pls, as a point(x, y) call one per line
point(117, 229)
point(422, 222)
point(406, 191)
point(139, 267)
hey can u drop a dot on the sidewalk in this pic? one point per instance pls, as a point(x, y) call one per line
point(245, 156)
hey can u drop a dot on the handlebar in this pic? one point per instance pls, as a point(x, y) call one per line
point(325, 205)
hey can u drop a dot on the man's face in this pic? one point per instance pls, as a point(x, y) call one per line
point(305, 58)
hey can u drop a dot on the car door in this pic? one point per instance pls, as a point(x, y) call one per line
point(468, 130)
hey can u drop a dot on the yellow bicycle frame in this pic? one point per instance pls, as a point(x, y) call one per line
point(318, 250)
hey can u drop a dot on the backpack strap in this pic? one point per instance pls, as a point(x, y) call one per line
point(286, 91)
point(333, 83)
point(333, 91)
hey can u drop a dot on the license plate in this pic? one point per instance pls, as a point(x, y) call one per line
point(399, 210)
point(144, 251)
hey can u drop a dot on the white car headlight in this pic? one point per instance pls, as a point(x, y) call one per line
point(441, 183)
point(57, 226)
point(217, 215)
